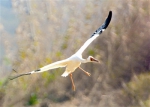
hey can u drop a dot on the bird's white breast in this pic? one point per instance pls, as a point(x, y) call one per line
point(72, 65)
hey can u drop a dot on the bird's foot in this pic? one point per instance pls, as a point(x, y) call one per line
point(87, 73)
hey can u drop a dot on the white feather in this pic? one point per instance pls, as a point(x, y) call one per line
point(65, 74)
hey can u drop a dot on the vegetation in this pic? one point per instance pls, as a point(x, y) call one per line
point(53, 30)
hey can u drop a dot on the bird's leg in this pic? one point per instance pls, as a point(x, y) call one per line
point(73, 86)
point(87, 73)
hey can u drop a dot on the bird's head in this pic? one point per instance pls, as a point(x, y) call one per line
point(92, 59)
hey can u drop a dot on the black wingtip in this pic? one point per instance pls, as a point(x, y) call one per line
point(104, 25)
point(107, 21)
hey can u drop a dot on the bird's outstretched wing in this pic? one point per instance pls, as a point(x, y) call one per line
point(58, 64)
point(96, 34)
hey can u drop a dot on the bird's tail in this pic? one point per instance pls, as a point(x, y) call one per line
point(29, 73)
point(11, 78)
point(54, 65)
point(65, 74)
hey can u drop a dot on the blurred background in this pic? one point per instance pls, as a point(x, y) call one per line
point(34, 33)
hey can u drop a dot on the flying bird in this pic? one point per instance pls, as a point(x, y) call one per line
point(74, 62)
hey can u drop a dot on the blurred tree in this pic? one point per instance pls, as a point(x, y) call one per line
point(52, 30)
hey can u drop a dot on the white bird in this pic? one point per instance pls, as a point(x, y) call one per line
point(74, 62)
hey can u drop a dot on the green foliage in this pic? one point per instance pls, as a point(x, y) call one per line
point(35, 43)
point(23, 54)
point(64, 46)
point(147, 102)
point(91, 52)
point(139, 89)
point(124, 50)
point(33, 100)
point(50, 77)
point(58, 54)
point(67, 37)
point(1, 83)
point(48, 60)
point(140, 82)
point(24, 84)
point(7, 61)
point(38, 32)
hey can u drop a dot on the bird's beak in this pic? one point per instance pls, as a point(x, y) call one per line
point(95, 60)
